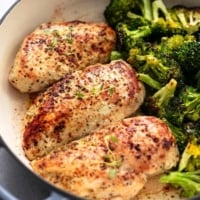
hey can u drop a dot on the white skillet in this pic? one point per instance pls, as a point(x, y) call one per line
point(18, 18)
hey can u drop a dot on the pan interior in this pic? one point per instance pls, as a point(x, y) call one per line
point(19, 22)
point(23, 19)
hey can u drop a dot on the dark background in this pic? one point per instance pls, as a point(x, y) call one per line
point(19, 181)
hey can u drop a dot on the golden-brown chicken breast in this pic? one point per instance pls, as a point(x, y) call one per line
point(114, 162)
point(55, 49)
point(81, 102)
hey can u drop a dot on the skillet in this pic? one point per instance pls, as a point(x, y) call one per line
point(18, 18)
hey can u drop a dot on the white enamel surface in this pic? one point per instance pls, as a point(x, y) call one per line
point(24, 17)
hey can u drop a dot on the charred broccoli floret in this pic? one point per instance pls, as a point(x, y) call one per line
point(159, 69)
point(190, 103)
point(156, 61)
point(129, 38)
point(184, 106)
point(188, 56)
point(168, 45)
point(156, 103)
point(117, 10)
point(121, 10)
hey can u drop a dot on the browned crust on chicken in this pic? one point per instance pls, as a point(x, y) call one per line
point(58, 48)
point(114, 162)
point(79, 103)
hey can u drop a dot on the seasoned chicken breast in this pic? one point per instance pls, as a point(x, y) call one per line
point(81, 102)
point(113, 162)
point(56, 49)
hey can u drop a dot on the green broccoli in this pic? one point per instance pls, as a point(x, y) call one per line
point(187, 177)
point(155, 61)
point(145, 78)
point(168, 45)
point(184, 106)
point(189, 182)
point(163, 23)
point(190, 159)
point(115, 55)
point(190, 103)
point(188, 17)
point(129, 38)
point(188, 56)
point(156, 103)
point(160, 69)
point(117, 10)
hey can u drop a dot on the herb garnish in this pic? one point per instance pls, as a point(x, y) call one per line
point(79, 94)
point(110, 159)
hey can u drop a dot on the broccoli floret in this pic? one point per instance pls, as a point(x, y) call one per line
point(155, 61)
point(117, 10)
point(143, 49)
point(160, 69)
point(115, 55)
point(188, 17)
point(129, 38)
point(190, 159)
point(168, 45)
point(190, 103)
point(187, 177)
point(188, 56)
point(163, 23)
point(189, 182)
point(156, 104)
point(135, 21)
point(184, 106)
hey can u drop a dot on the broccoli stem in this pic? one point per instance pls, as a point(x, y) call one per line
point(147, 10)
point(141, 32)
point(164, 95)
point(184, 159)
point(188, 181)
point(145, 78)
point(158, 6)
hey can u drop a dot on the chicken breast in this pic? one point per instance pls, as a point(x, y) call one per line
point(114, 162)
point(81, 102)
point(56, 49)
